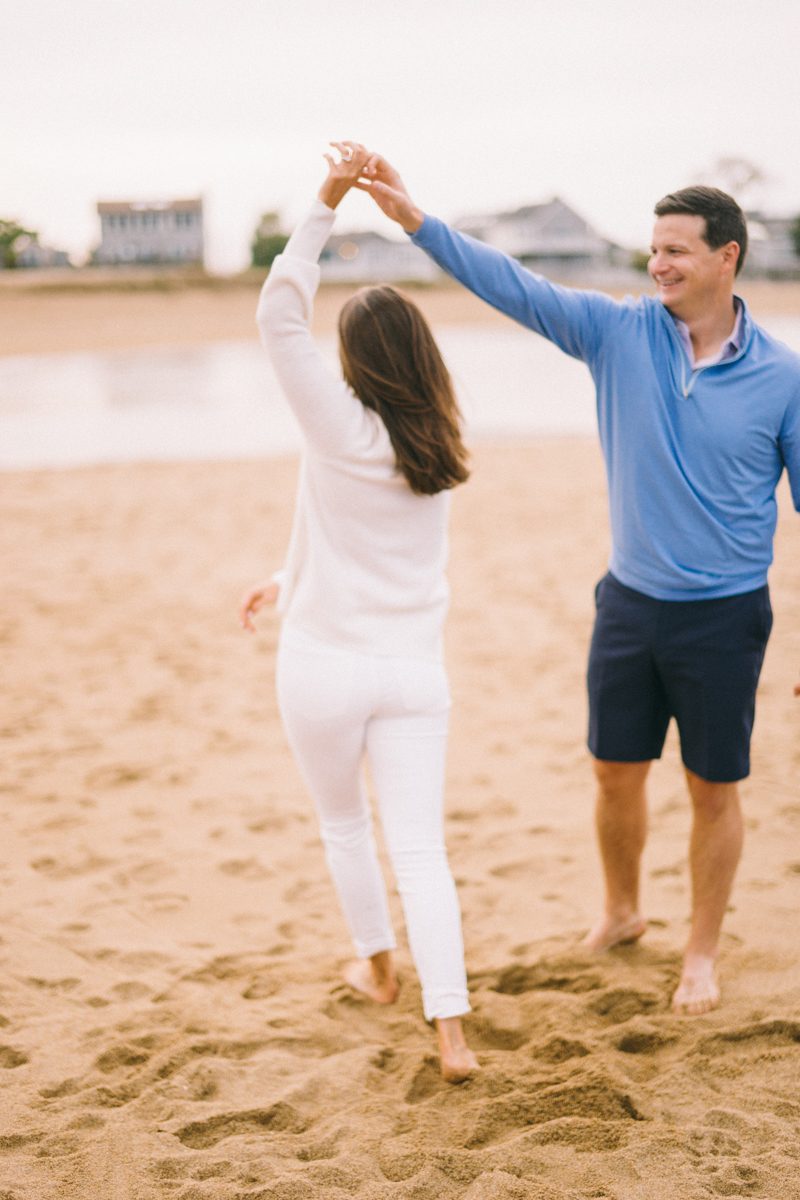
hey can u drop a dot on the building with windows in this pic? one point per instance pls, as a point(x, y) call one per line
point(771, 249)
point(169, 231)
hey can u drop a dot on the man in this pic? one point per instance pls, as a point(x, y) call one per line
point(699, 412)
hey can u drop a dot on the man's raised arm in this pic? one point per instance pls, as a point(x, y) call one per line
point(575, 320)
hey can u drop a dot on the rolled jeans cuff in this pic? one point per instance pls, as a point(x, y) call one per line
point(377, 946)
point(445, 1004)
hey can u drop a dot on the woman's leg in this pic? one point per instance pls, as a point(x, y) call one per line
point(322, 699)
point(407, 759)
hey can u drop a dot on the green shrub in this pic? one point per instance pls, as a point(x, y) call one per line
point(10, 233)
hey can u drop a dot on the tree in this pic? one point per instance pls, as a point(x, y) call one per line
point(739, 177)
point(268, 241)
point(10, 234)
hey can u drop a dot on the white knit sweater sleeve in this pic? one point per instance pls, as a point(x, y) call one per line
point(332, 419)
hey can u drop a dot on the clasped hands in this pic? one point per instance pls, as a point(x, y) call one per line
point(369, 172)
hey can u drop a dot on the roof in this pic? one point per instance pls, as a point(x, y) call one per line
point(109, 208)
point(552, 228)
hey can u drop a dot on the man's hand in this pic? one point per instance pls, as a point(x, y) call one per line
point(342, 176)
point(255, 598)
point(797, 689)
point(389, 192)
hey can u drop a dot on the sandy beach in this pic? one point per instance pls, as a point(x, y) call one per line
point(59, 315)
point(172, 1021)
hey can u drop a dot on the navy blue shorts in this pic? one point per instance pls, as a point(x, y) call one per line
point(695, 660)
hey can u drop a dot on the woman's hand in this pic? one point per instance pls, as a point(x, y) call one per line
point(254, 599)
point(345, 174)
point(389, 192)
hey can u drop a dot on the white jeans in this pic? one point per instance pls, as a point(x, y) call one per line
point(337, 704)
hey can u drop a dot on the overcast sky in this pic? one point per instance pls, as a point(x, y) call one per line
point(482, 104)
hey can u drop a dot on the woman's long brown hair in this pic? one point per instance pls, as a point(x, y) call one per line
point(392, 363)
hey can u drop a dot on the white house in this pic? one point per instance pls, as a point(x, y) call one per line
point(169, 231)
point(550, 238)
point(371, 258)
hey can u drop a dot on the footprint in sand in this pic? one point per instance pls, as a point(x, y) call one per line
point(118, 1057)
point(641, 1037)
point(564, 975)
point(245, 868)
point(522, 869)
point(591, 1093)
point(776, 1031)
point(10, 1058)
point(279, 1118)
point(586, 1134)
point(131, 989)
point(616, 1005)
point(261, 988)
point(427, 1081)
point(560, 1048)
point(148, 872)
point(65, 868)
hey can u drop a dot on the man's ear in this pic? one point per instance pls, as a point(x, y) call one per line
point(730, 257)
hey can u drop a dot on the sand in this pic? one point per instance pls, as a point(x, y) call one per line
point(48, 318)
point(37, 322)
point(172, 1021)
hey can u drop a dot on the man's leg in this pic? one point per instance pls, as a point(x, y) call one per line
point(621, 818)
point(712, 656)
point(714, 852)
point(628, 719)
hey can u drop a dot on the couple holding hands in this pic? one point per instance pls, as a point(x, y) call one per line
point(699, 413)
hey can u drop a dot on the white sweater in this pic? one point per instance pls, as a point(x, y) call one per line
point(366, 560)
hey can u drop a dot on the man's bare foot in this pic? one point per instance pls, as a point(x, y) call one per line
point(698, 991)
point(373, 977)
point(611, 931)
point(458, 1061)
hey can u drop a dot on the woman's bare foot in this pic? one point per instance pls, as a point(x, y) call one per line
point(613, 931)
point(698, 991)
point(373, 977)
point(458, 1061)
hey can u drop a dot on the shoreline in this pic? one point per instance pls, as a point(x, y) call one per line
point(37, 322)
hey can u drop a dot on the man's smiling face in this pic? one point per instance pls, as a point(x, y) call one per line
point(686, 271)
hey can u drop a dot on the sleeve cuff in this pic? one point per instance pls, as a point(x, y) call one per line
point(419, 237)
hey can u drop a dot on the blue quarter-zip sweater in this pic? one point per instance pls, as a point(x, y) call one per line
point(692, 457)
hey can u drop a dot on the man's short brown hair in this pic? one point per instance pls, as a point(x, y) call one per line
point(725, 221)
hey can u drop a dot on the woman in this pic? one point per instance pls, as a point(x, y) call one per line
point(364, 594)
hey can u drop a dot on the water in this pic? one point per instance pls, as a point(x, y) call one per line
point(221, 400)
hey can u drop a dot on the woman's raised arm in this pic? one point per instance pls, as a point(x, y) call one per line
point(344, 175)
point(332, 419)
